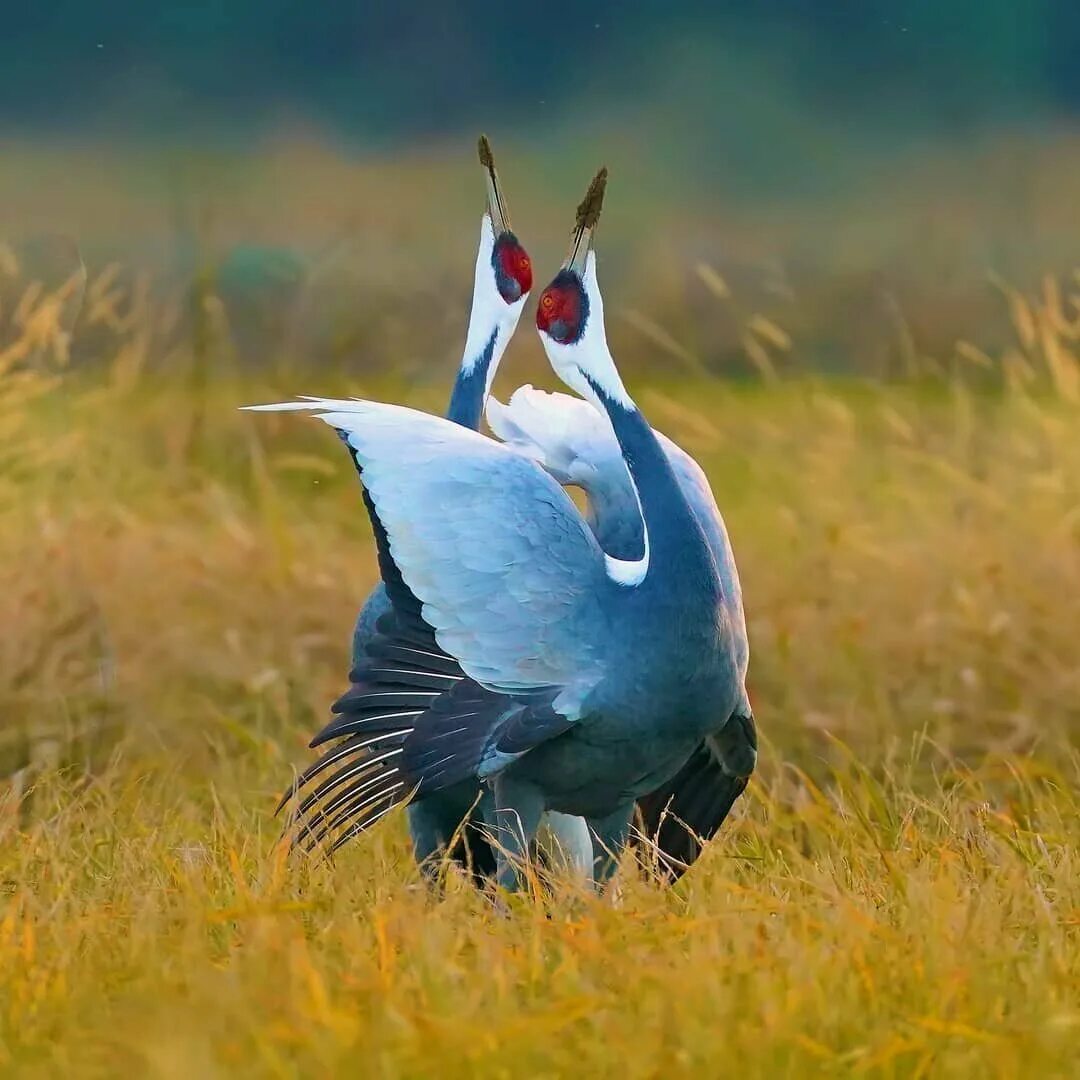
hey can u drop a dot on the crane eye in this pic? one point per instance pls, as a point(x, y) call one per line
point(548, 302)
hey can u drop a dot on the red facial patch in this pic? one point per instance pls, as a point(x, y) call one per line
point(563, 309)
point(513, 268)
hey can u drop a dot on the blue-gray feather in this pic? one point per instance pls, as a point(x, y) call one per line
point(577, 445)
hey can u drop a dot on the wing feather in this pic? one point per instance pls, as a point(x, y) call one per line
point(408, 729)
point(505, 568)
point(576, 445)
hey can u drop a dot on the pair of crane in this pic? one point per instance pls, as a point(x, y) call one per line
point(523, 669)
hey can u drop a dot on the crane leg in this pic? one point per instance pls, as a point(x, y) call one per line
point(519, 807)
point(567, 846)
point(435, 820)
point(610, 835)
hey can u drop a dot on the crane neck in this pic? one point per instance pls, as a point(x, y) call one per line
point(673, 538)
point(473, 379)
point(492, 322)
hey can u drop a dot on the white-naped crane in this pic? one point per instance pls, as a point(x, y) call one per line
point(502, 280)
point(516, 649)
point(577, 446)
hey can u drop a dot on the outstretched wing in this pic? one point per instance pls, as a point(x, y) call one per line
point(576, 445)
point(506, 571)
point(494, 634)
point(412, 724)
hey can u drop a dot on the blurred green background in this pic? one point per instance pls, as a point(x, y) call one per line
point(878, 72)
point(858, 174)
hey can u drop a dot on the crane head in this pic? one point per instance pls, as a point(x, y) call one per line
point(564, 305)
point(510, 262)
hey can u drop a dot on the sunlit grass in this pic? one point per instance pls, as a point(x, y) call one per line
point(897, 895)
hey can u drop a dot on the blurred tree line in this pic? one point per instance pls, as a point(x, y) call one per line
point(386, 71)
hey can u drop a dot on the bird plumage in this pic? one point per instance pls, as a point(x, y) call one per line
point(575, 444)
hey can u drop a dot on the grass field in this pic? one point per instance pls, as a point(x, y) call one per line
point(897, 895)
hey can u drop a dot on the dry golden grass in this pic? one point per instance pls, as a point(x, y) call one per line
point(897, 895)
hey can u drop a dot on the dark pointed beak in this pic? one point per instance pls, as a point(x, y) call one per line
point(588, 216)
point(496, 201)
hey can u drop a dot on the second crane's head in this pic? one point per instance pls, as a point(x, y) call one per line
point(570, 315)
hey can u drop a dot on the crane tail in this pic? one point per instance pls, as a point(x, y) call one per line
point(681, 816)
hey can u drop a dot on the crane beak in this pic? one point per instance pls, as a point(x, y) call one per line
point(496, 201)
point(580, 246)
point(588, 216)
